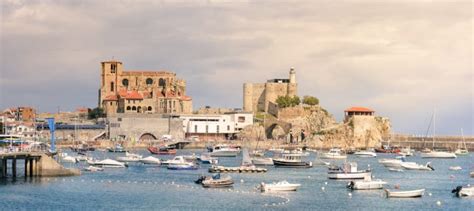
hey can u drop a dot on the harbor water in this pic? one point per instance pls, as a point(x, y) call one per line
point(146, 187)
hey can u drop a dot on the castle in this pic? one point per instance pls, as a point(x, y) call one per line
point(260, 97)
point(141, 91)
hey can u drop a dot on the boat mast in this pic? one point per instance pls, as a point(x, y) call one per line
point(434, 128)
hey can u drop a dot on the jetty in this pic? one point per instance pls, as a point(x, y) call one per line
point(35, 164)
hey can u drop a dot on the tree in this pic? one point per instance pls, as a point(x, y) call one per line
point(287, 101)
point(96, 113)
point(310, 100)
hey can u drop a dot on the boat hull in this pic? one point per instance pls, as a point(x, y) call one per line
point(405, 194)
point(262, 161)
point(366, 185)
point(279, 188)
point(438, 155)
point(287, 164)
point(349, 175)
point(224, 153)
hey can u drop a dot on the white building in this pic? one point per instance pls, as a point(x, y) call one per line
point(215, 126)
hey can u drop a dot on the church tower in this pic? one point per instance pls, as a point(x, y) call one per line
point(292, 85)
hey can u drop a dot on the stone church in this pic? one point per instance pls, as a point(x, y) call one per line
point(141, 91)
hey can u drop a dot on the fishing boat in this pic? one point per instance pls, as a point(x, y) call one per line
point(416, 166)
point(366, 153)
point(291, 161)
point(461, 191)
point(455, 168)
point(129, 157)
point(349, 171)
point(162, 150)
point(366, 184)
point(93, 169)
point(462, 150)
point(405, 194)
point(333, 153)
point(215, 181)
point(279, 186)
point(117, 148)
point(108, 163)
point(262, 161)
point(151, 160)
point(223, 150)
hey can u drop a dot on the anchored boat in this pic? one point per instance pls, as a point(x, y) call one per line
point(279, 186)
point(405, 194)
point(333, 153)
point(291, 161)
point(216, 181)
point(223, 150)
point(150, 160)
point(461, 191)
point(349, 171)
point(366, 184)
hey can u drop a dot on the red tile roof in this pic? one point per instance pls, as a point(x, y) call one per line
point(111, 98)
point(130, 95)
point(359, 109)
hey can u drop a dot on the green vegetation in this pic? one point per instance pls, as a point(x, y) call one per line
point(310, 100)
point(287, 101)
point(95, 113)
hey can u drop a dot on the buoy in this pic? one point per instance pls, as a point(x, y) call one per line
point(322, 188)
point(309, 176)
point(429, 194)
point(241, 181)
point(438, 203)
point(325, 183)
point(349, 194)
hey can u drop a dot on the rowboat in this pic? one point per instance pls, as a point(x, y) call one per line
point(366, 184)
point(405, 194)
point(150, 160)
point(216, 181)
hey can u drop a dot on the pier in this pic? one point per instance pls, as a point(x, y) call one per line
point(35, 164)
point(420, 142)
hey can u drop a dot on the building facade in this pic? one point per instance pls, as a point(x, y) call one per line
point(141, 91)
point(258, 97)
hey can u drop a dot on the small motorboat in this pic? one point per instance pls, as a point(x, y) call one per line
point(129, 157)
point(206, 158)
point(407, 151)
point(405, 194)
point(117, 148)
point(438, 154)
point(461, 191)
point(349, 171)
point(366, 184)
point(68, 159)
point(83, 158)
point(333, 153)
point(223, 150)
point(462, 151)
point(262, 161)
point(416, 166)
point(107, 163)
point(276, 150)
point(216, 181)
point(151, 160)
point(93, 169)
point(291, 161)
point(455, 168)
point(366, 153)
point(391, 163)
point(278, 186)
point(163, 150)
point(179, 163)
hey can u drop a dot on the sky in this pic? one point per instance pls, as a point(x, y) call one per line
point(406, 59)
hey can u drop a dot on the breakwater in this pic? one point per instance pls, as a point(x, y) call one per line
point(420, 142)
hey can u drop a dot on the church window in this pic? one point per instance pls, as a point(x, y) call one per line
point(125, 82)
point(128, 108)
point(113, 68)
point(110, 103)
point(149, 81)
point(111, 86)
point(161, 82)
point(134, 108)
point(149, 108)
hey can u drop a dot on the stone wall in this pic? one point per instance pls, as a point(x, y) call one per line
point(134, 126)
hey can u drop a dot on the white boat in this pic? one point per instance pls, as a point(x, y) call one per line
point(405, 194)
point(395, 169)
point(455, 168)
point(406, 151)
point(179, 163)
point(279, 186)
point(291, 161)
point(416, 166)
point(83, 158)
point(391, 163)
point(438, 154)
point(215, 181)
point(333, 153)
point(349, 171)
point(69, 159)
point(366, 184)
point(107, 163)
point(151, 160)
point(262, 161)
point(93, 169)
point(175, 160)
point(223, 150)
point(276, 150)
point(207, 159)
point(461, 191)
point(365, 153)
point(472, 173)
point(129, 157)
point(462, 150)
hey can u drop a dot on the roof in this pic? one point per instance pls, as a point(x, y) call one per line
point(130, 95)
point(359, 109)
point(111, 98)
point(112, 61)
point(186, 98)
point(148, 72)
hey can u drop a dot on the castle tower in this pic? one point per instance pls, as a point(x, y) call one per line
point(248, 95)
point(292, 85)
point(110, 73)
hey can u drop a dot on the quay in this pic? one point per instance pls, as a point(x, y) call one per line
point(35, 164)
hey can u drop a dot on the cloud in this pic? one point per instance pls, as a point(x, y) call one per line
point(402, 58)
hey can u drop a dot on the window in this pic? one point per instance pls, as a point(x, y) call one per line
point(113, 68)
point(110, 102)
point(134, 108)
point(128, 108)
point(128, 101)
point(119, 119)
point(217, 128)
point(125, 82)
point(149, 81)
point(228, 127)
point(195, 128)
point(149, 108)
point(161, 82)
point(207, 128)
point(241, 119)
point(111, 86)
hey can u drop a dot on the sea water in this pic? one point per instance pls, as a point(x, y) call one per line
point(147, 187)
